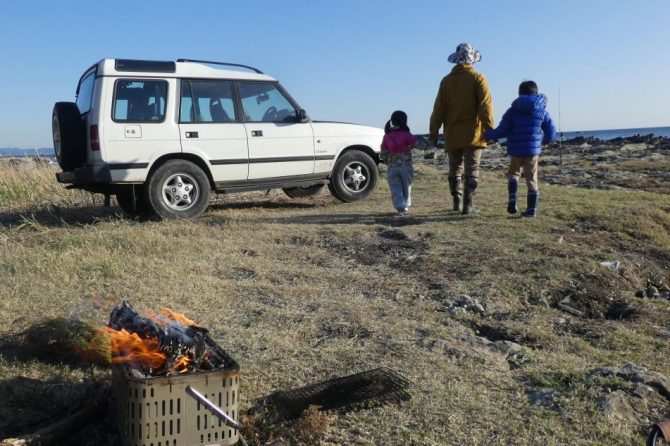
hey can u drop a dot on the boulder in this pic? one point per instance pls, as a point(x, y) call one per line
point(616, 407)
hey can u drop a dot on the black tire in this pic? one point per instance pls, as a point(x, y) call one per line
point(354, 176)
point(300, 192)
point(178, 189)
point(133, 204)
point(69, 135)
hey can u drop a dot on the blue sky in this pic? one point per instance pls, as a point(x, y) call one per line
point(348, 60)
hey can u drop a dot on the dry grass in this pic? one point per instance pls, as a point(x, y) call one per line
point(300, 291)
point(36, 187)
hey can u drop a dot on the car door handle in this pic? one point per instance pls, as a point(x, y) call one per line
point(257, 133)
point(191, 134)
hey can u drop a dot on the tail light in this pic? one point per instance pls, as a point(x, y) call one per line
point(95, 141)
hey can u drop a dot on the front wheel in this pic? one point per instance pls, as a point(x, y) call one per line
point(178, 189)
point(354, 176)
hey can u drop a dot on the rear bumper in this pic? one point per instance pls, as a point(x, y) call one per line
point(89, 173)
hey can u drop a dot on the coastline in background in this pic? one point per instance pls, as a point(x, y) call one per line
point(617, 133)
point(600, 134)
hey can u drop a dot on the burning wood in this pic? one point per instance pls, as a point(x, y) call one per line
point(167, 344)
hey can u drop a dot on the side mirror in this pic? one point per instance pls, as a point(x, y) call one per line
point(302, 115)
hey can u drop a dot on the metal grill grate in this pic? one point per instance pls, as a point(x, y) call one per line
point(364, 390)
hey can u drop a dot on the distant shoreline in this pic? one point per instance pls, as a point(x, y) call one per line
point(604, 135)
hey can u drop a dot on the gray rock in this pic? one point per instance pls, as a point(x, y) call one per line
point(542, 303)
point(471, 304)
point(636, 374)
point(569, 309)
point(616, 407)
point(507, 348)
point(465, 344)
point(648, 394)
point(462, 305)
point(605, 371)
point(543, 398)
point(652, 292)
point(657, 281)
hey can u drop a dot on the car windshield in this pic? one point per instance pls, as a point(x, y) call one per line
point(264, 102)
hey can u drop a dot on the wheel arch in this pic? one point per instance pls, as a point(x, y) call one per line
point(195, 159)
point(362, 148)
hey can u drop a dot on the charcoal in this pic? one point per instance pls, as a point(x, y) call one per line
point(126, 318)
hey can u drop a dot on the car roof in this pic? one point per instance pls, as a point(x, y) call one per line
point(179, 69)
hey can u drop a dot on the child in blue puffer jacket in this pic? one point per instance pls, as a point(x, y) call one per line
point(527, 126)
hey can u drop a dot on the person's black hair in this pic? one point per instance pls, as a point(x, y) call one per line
point(397, 122)
point(528, 87)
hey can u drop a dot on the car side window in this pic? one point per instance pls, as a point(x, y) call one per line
point(264, 102)
point(85, 93)
point(139, 101)
point(207, 102)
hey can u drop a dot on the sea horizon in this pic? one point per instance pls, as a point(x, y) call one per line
point(600, 134)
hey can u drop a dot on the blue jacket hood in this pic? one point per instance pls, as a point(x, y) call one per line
point(530, 103)
point(526, 125)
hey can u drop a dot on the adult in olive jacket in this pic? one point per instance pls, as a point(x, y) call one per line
point(464, 107)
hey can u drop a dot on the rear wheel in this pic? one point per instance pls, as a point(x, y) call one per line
point(69, 135)
point(354, 176)
point(307, 191)
point(178, 189)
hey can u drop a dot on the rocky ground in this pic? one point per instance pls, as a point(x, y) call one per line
point(638, 162)
point(512, 331)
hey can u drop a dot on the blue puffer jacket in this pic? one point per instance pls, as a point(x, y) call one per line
point(526, 125)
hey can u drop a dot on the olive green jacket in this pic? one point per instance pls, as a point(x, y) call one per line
point(464, 107)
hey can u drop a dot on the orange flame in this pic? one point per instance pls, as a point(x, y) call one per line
point(178, 317)
point(130, 347)
point(181, 365)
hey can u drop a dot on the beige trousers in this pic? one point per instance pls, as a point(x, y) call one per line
point(464, 161)
point(527, 164)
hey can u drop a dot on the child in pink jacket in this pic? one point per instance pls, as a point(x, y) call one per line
point(397, 153)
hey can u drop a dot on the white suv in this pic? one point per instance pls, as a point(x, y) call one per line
point(162, 136)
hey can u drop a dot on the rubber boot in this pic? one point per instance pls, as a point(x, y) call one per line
point(456, 188)
point(512, 188)
point(532, 199)
point(470, 187)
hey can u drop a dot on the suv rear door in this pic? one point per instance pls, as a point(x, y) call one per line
point(141, 128)
point(279, 144)
point(209, 127)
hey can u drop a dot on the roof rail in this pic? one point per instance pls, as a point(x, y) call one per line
point(222, 63)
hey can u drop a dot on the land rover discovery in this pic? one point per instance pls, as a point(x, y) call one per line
point(162, 136)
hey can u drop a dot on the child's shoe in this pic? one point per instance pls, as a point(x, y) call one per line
point(532, 199)
point(512, 188)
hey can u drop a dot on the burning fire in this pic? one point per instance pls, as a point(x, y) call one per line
point(130, 347)
point(148, 353)
point(177, 317)
point(182, 364)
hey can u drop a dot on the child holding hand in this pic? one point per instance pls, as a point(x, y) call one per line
point(527, 126)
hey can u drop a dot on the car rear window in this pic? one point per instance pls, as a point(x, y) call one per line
point(139, 100)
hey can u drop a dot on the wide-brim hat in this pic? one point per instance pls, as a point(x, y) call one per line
point(465, 54)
